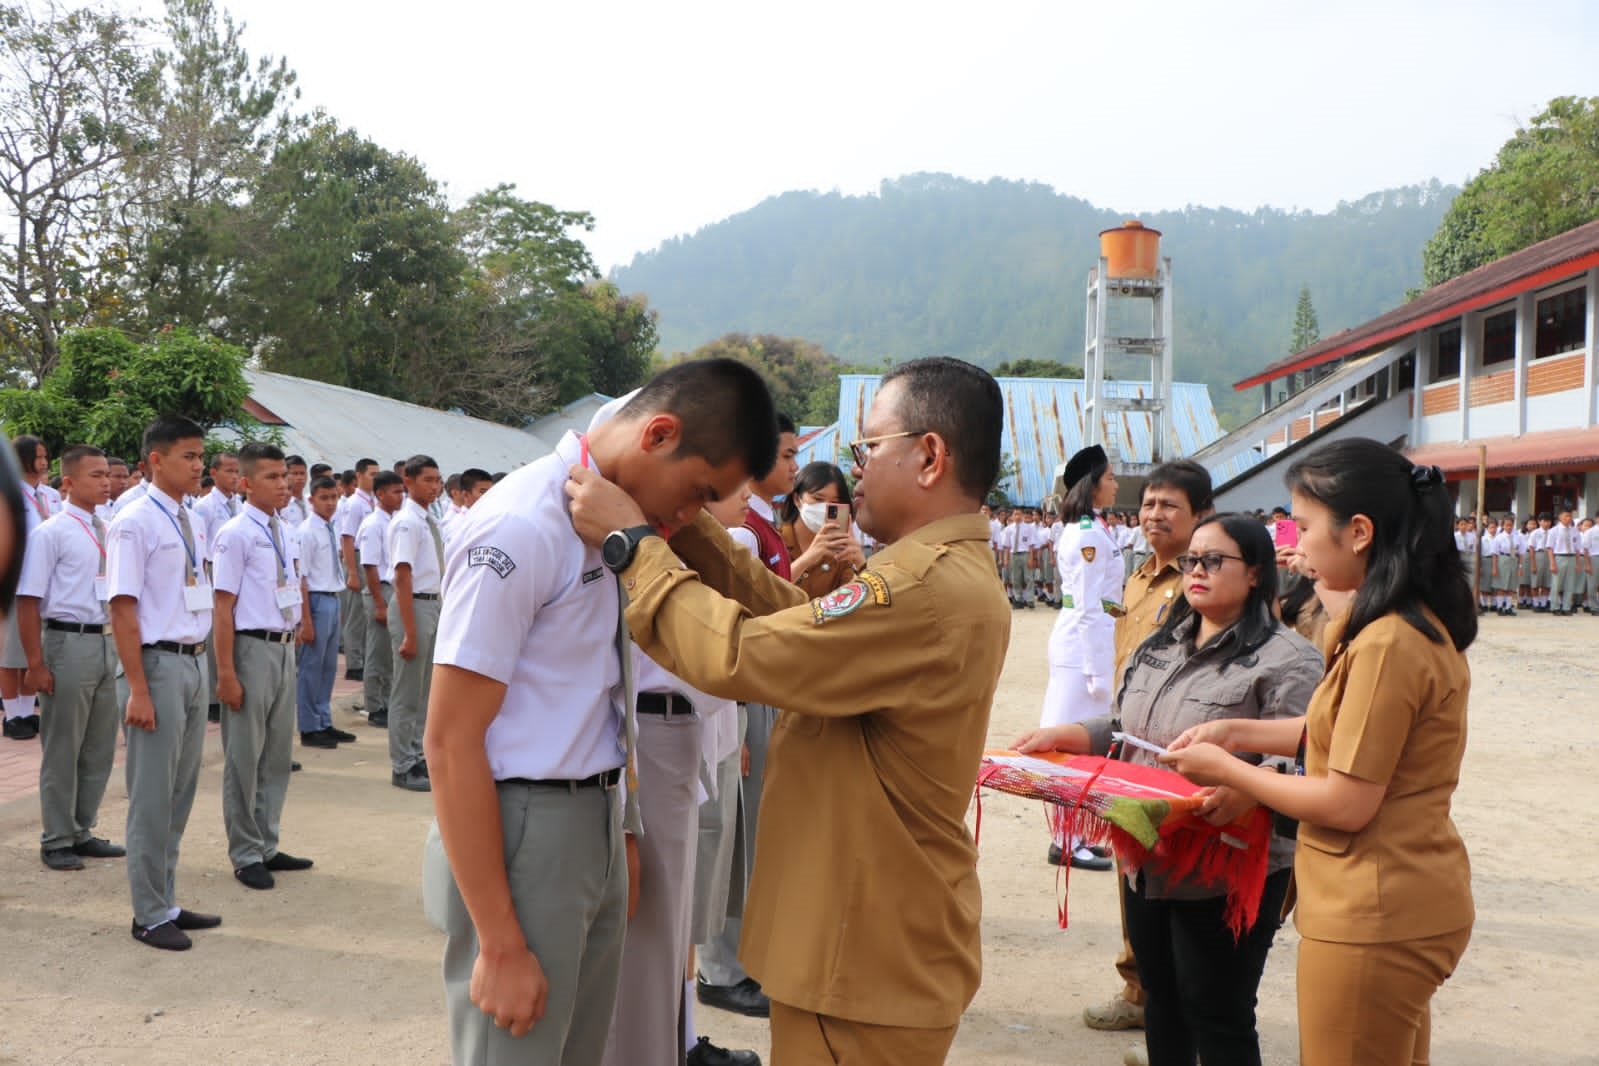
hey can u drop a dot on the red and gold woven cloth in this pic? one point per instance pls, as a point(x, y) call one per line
point(1147, 815)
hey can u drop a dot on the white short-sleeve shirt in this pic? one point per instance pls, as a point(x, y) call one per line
point(318, 555)
point(147, 560)
point(528, 604)
point(409, 541)
point(1562, 538)
point(371, 544)
point(356, 507)
point(251, 565)
point(60, 566)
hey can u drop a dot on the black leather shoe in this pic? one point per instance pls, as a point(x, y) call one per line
point(318, 739)
point(1084, 859)
point(295, 767)
point(413, 780)
point(744, 998)
point(339, 735)
point(379, 719)
point(285, 861)
point(60, 858)
point(706, 1053)
point(99, 848)
point(213, 713)
point(1054, 858)
point(255, 876)
point(196, 920)
point(355, 675)
point(21, 728)
point(166, 936)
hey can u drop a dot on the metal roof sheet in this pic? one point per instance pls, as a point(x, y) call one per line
point(1044, 425)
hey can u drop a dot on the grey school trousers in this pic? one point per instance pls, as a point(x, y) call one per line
point(718, 957)
point(257, 748)
point(413, 681)
point(1566, 588)
point(377, 673)
point(77, 734)
point(568, 876)
point(352, 626)
point(644, 1027)
point(163, 769)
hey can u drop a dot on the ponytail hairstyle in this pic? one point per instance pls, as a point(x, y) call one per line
point(1413, 563)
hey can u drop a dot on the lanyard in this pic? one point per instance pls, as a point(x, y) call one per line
point(89, 531)
point(283, 564)
point(194, 564)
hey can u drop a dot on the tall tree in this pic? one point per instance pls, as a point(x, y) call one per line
point(1037, 368)
point(1306, 330)
point(72, 88)
point(799, 373)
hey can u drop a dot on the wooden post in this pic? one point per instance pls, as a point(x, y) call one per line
point(1482, 497)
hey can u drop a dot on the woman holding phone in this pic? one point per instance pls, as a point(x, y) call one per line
point(815, 525)
point(1385, 908)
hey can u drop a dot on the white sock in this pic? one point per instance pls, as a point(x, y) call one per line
point(172, 914)
point(690, 1037)
point(17, 706)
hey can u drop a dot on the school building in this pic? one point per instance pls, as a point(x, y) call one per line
point(1502, 358)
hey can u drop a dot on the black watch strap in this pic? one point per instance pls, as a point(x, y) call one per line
point(621, 545)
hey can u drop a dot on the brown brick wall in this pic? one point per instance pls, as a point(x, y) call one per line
point(1441, 399)
point(1493, 388)
point(1548, 376)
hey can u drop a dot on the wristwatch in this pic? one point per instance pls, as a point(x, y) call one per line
point(619, 546)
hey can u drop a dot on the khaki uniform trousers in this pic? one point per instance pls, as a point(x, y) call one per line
point(77, 734)
point(377, 673)
point(412, 681)
point(1370, 1004)
point(257, 749)
point(801, 1038)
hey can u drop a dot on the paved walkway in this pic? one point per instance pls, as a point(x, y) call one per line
point(19, 759)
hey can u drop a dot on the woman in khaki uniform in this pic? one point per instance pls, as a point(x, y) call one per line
point(825, 556)
point(1385, 909)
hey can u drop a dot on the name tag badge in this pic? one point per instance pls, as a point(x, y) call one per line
point(197, 597)
point(288, 595)
point(102, 591)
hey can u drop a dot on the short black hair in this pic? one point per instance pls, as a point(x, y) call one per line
point(362, 464)
point(785, 424)
point(293, 460)
point(472, 477)
point(347, 478)
point(418, 463)
point(1187, 477)
point(318, 469)
point(166, 431)
point(71, 455)
point(256, 453)
point(217, 459)
point(324, 482)
point(725, 409)
point(961, 402)
point(112, 460)
point(399, 466)
point(452, 483)
point(384, 478)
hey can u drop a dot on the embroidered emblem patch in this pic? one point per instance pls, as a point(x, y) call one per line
point(1112, 608)
point(851, 597)
point(1088, 555)
point(493, 558)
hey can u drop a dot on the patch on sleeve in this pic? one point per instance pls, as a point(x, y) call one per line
point(493, 558)
point(847, 599)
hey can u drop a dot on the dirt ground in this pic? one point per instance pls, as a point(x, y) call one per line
point(338, 966)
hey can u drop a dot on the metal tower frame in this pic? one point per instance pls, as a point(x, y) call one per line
point(1157, 345)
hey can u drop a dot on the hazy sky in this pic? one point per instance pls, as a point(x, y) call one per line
point(660, 118)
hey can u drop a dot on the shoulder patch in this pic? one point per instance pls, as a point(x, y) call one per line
point(493, 558)
point(847, 599)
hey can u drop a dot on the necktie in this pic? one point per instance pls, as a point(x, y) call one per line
point(233, 508)
point(38, 504)
point(276, 530)
point(333, 546)
point(99, 538)
point(438, 542)
point(187, 532)
point(632, 818)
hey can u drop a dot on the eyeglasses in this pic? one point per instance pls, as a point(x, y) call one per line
point(859, 449)
point(1210, 562)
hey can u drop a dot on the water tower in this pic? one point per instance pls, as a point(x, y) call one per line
point(1129, 314)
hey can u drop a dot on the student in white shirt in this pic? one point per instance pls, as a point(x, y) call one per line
point(377, 585)
point(319, 634)
point(414, 546)
point(260, 596)
point(526, 870)
point(16, 696)
point(1542, 570)
point(72, 663)
point(353, 614)
point(1504, 568)
point(471, 484)
point(1562, 547)
point(1590, 547)
point(161, 616)
point(295, 512)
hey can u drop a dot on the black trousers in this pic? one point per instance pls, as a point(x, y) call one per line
point(1201, 982)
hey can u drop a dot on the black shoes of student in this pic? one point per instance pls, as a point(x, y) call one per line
point(25, 728)
point(355, 675)
point(295, 767)
point(166, 936)
point(283, 861)
point(196, 920)
point(60, 858)
point(744, 998)
point(255, 876)
point(706, 1053)
point(317, 738)
point(213, 713)
point(413, 780)
point(1082, 858)
point(340, 735)
point(379, 719)
point(99, 848)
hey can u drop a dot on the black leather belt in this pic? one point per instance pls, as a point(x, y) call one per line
point(424, 595)
point(603, 779)
point(316, 592)
point(666, 703)
point(176, 648)
point(77, 627)
point(271, 636)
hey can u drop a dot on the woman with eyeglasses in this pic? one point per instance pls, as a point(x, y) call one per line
point(1384, 909)
point(824, 552)
point(1221, 653)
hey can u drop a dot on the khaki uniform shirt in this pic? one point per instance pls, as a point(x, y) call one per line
point(864, 903)
point(1148, 598)
point(1391, 711)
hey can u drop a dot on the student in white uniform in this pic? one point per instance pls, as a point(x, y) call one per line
point(1538, 544)
point(414, 548)
point(72, 663)
point(352, 613)
point(1505, 568)
point(1490, 568)
point(1590, 539)
point(1562, 545)
point(1082, 646)
point(319, 635)
point(295, 512)
point(38, 504)
point(530, 721)
point(377, 590)
point(161, 616)
point(260, 595)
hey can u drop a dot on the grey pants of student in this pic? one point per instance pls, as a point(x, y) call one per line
point(718, 894)
point(163, 767)
point(644, 1027)
point(1016, 576)
point(257, 748)
point(77, 734)
point(413, 681)
point(1565, 589)
point(377, 674)
point(718, 957)
point(352, 623)
point(568, 877)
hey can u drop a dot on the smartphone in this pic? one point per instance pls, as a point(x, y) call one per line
point(1287, 535)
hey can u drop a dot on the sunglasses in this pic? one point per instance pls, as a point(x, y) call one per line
point(1210, 562)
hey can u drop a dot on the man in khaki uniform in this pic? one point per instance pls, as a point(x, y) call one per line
point(1176, 496)
point(862, 923)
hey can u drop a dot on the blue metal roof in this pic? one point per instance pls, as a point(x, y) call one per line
point(819, 444)
point(1044, 425)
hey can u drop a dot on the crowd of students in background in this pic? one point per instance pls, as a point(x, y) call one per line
point(1543, 564)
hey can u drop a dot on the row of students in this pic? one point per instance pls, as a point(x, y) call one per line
point(1546, 566)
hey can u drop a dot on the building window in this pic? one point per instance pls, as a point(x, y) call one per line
point(1499, 338)
point(1446, 360)
point(1407, 371)
point(1562, 323)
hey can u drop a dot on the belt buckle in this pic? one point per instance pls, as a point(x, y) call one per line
point(611, 785)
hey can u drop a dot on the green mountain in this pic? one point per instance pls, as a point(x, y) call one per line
point(993, 271)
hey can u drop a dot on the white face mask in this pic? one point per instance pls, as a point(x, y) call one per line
point(814, 515)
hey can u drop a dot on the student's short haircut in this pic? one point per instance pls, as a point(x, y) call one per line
point(323, 482)
point(1189, 478)
point(418, 463)
point(218, 459)
point(472, 477)
point(362, 464)
point(164, 432)
point(384, 478)
point(348, 477)
point(112, 460)
point(255, 453)
point(725, 409)
point(452, 483)
point(206, 484)
point(961, 402)
point(293, 460)
point(399, 466)
point(785, 424)
point(499, 476)
point(319, 469)
point(76, 453)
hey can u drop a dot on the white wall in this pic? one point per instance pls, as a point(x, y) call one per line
point(1494, 420)
point(1560, 410)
